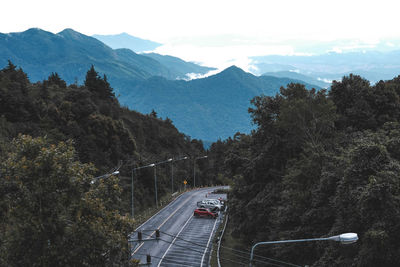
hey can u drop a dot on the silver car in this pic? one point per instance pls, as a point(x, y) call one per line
point(210, 204)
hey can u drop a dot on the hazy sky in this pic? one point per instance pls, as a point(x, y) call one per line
point(217, 32)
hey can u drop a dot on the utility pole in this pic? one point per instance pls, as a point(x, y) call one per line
point(172, 177)
point(194, 168)
point(133, 209)
point(155, 184)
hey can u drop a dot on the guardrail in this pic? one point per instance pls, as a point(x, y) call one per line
point(222, 235)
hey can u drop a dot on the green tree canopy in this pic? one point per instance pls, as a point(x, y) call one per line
point(98, 85)
point(319, 165)
point(52, 215)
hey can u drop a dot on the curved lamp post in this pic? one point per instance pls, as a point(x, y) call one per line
point(194, 169)
point(132, 199)
point(104, 176)
point(172, 172)
point(155, 181)
point(346, 238)
point(155, 177)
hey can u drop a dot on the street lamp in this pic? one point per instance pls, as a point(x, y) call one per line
point(104, 176)
point(346, 238)
point(155, 177)
point(132, 190)
point(155, 181)
point(194, 169)
point(172, 173)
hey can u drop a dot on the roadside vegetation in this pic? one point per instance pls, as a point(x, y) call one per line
point(319, 163)
point(54, 139)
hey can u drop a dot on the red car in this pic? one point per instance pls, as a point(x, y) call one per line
point(200, 212)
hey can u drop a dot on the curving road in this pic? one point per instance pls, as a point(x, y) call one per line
point(184, 240)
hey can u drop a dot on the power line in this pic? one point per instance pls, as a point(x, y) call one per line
point(243, 252)
point(177, 237)
point(259, 256)
point(203, 246)
point(169, 242)
point(169, 261)
point(172, 261)
point(260, 261)
point(186, 248)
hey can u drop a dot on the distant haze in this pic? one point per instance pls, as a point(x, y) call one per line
point(220, 33)
point(124, 40)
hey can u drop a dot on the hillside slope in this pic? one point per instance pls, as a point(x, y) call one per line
point(71, 53)
point(208, 109)
point(124, 40)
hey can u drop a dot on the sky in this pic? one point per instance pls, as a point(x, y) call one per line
point(217, 33)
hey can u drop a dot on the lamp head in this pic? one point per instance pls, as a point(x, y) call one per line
point(347, 238)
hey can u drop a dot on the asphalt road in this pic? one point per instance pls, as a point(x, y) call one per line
point(184, 240)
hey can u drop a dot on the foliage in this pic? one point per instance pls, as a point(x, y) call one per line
point(319, 165)
point(51, 215)
point(104, 135)
point(210, 108)
point(144, 81)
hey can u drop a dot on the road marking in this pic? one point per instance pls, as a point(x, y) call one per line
point(161, 224)
point(159, 211)
point(173, 241)
point(209, 240)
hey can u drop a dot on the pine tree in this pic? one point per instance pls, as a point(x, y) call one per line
point(100, 87)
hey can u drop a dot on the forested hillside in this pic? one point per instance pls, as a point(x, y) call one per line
point(70, 54)
point(209, 109)
point(54, 139)
point(103, 132)
point(373, 65)
point(319, 164)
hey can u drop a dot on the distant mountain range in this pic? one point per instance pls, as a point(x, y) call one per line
point(372, 65)
point(71, 54)
point(298, 76)
point(208, 109)
point(124, 40)
point(176, 65)
point(179, 67)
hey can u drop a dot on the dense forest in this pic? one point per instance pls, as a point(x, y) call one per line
point(54, 140)
point(318, 164)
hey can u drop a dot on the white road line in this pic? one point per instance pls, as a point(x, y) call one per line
point(159, 211)
point(176, 260)
point(161, 225)
point(173, 241)
point(175, 256)
point(183, 265)
point(209, 240)
point(195, 192)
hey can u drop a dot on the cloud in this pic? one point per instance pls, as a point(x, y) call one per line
point(324, 80)
point(193, 76)
point(296, 71)
point(354, 46)
point(222, 57)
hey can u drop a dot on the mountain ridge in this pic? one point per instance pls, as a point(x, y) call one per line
point(179, 66)
point(125, 40)
point(210, 108)
point(71, 53)
point(372, 65)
